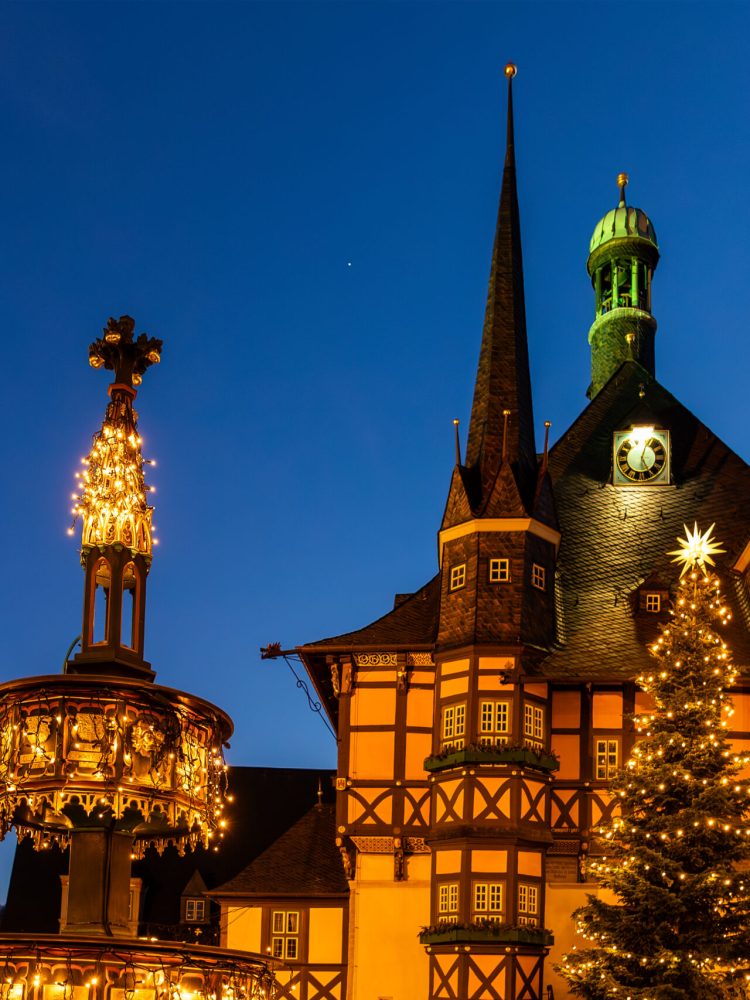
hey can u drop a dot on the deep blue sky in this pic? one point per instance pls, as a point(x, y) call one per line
point(300, 200)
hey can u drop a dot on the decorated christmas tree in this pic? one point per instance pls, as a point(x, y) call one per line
point(678, 923)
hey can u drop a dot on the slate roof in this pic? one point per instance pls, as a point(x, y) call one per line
point(195, 886)
point(304, 861)
point(412, 623)
point(614, 538)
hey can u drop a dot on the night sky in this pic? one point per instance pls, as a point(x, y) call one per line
point(300, 200)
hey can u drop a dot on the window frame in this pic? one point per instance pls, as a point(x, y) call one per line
point(457, 577)
point(450, 892)
point(198, 906)
point(456, 738)
point(486, 911)
point(538, 576)
point(502, 566)
point(286, 937)
point(607, 770)
point(528, 903)
point(650, 598)
point(495, 734)
point(536, 716)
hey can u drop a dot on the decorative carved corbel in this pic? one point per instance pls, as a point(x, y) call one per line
point(399, 862)
point(347, 857)
point(347, 677)
point(583, 854)
point(402, 673)
point(335, 679)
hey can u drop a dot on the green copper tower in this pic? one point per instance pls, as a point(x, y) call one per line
point(622, 258)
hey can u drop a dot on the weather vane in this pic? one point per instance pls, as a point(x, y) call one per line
point(696, 549)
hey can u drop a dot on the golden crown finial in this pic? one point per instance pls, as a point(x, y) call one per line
point(510, 70)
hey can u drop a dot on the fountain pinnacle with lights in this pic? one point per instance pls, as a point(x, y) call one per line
point(100, 758)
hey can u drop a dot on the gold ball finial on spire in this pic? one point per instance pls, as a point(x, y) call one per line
point(622, 183)
point(510, 70)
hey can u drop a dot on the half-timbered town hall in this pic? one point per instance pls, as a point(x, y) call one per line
point(480, 719)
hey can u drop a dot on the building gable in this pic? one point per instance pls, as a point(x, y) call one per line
point(613, 538)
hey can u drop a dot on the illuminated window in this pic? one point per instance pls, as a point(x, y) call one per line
point(458, 576)
point(494, 722)
point(195, 911)
point(533, 723)
point(607, 758)
point(538, 576)
point(653, 602)
point(454, 726)
point(499, 570)
point(488, 901)
point(285, 934)
point(528, 903)
point(448, 902)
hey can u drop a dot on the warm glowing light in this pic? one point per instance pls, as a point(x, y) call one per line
point(696, 549)
point(640, 435)
point(112, 503)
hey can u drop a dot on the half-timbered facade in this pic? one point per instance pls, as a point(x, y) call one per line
point(480, 720)
point(291, 903)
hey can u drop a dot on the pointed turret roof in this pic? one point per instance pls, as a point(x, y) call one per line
point(503, 379)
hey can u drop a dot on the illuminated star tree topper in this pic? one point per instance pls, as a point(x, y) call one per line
point(696, 550)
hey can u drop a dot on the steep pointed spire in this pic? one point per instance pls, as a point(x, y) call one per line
point(503, 380)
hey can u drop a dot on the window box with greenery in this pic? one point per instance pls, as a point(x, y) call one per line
point(525, 754)
point(485, 932)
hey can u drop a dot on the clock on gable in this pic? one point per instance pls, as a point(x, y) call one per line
point(641, 457)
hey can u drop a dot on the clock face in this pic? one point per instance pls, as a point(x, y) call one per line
point(641, 456)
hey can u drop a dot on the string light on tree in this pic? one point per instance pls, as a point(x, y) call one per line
point(675, 855)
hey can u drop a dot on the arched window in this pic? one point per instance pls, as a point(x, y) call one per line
point(102, 581)
point(131, 584)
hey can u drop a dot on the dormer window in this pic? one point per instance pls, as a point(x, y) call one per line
point(194, 907)
point(458, 576)
point(195, 911)
point(651, 597)
point(653, 603)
